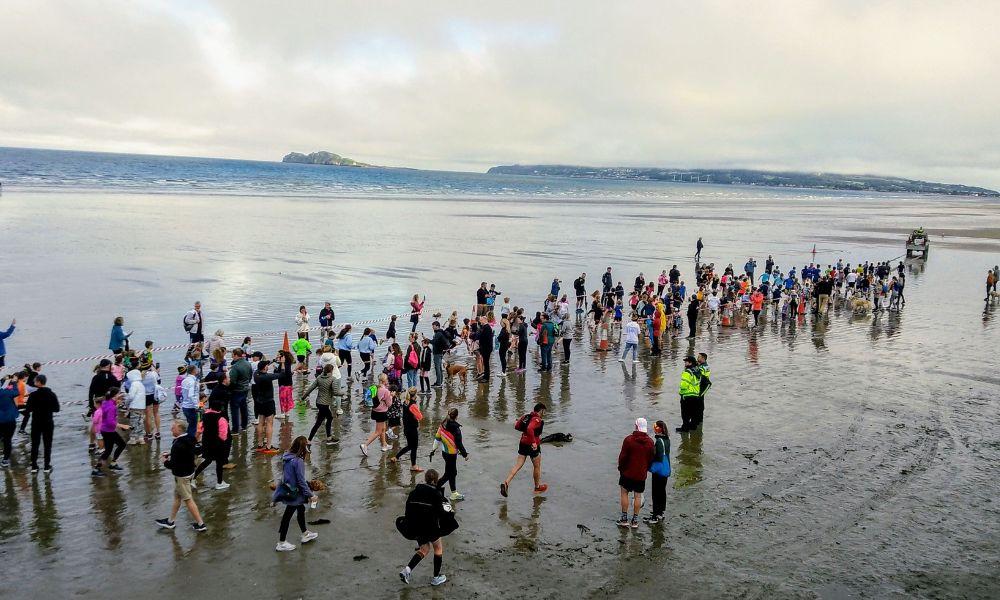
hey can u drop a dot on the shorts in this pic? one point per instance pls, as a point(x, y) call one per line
point(301, 358)
point(526, 450)
point(182, 489)
point(380, 417)
point(631, 485)
point(151, 400)
point(264, 409)
point(394, 422)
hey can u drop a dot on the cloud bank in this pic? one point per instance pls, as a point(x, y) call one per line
point(895, 87)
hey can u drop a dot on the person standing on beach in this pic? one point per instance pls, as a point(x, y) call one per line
point(529, 447)
point(690, 389)
point(630, 338)
point(580, 286)
point(634, 460)
point(698, 248)
point(607, 282)
point(240, 378)
point(8, 416)
point(180, 461)
point(194, 324)
point(416, 308)
point(485, 337)
point(107, 423)
point(119, 339)
point(521, 333)
point(439, 345)
point(326, 316)
point(661, 471)
point(3, 348)
point(42, 405)
point(190, 397)
point(546, 339)
point(215, 442)
point(692, 316)
point(263, 404)
point(704, 383)
point(302, 322)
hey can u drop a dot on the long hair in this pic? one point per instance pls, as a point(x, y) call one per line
point(300, 446)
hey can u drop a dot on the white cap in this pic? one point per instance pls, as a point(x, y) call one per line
point(640, 424)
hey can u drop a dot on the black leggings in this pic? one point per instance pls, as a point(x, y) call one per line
point(411, 446)
point(219, 456)
point(503, 357)
point(323, 414)
point(425, 384)
point(41, 434)
point(566, 343)
point(522, 356)
point(6, 435)
point(300, 514)
point(659, 494)
point(24, 421)
point(450, 471)
point(345, 357)
point(111, 440)
point(366, 358)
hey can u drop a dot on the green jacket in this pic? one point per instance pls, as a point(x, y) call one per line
point(301, 347)
point(240, 374)
point(329, 389)
point(706, 381)
point(690, 383)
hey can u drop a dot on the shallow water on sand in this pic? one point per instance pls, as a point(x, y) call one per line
point(856, 457)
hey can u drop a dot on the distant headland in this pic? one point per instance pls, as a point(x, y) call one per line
point(823, 181)
point(323, 158)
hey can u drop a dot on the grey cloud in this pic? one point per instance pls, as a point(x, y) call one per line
point(885, 87)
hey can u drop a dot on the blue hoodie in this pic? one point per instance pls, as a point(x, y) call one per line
point(8, 410)
point(293, 472)
point(367, 345)
point(4, 335)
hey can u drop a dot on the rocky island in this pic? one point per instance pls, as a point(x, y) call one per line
point(323, 158)
point(823, 181)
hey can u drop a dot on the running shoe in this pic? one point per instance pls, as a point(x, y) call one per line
point(114, 467)
point(364, 449)
point(95, 473)
point(199, 527)
point(34, 470)
point(404, 575)
point(385, 448)
point(4, 463)
point(652, 520)
point(635, 523)
point(438, 579)
point(309, 536)
point(166, 523)
point(622, 522)
point(222, 486)
point(284, 547)
point(455, 497)
point(332, 441)
point(47, 470)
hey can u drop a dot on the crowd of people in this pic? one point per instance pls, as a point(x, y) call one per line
point(221, 393)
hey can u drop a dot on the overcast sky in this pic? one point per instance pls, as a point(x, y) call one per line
point(907, 87)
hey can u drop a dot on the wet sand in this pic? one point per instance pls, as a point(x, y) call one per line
point(854, 458)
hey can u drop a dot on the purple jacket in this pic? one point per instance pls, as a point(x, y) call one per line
point(293, 472)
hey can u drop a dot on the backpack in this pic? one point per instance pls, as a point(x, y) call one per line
point(522, 423)
point(370, 393)
point(187, 326)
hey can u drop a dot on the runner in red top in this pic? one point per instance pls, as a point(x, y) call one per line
point(530, 447)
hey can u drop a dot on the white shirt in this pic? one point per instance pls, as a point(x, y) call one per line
point(189, 392)
point(713, 303)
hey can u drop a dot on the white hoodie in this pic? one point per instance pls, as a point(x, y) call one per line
point(136, 392)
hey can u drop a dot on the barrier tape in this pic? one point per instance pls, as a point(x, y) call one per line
point(236, 338)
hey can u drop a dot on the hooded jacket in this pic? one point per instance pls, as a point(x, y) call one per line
point(4, 335)
point(8, 409)
point(636, 456)
point(263, 386)
point(136, 392)
point(293, 472)
point(240, 374)
point(42, 404)
point(328, 388)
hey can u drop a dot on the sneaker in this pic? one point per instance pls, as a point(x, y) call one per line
point(390, 434)
point(34, 470)
point(166, 523)
point(652, 520)
point(622, 522)
point(309, 536)
point(635, 523)
point(364, 449)
point(284, 547)
point(455, 497)
point(4, 463)
point(620, 359)
point(114, 467)
point(332, 441)
point(94, 473)
point(404, 575)
point(47, 470)
point(156, 436)
point(503, 490)
point(222, 486)
point(438, 579)
point(635, 360)
point(385, 448)
point(340, 411)
point(199, 527)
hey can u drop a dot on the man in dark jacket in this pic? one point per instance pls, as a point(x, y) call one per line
point(426, 512)
point(180, 461)
point(692, 315)
point(485, 339)
point(634, 461)
point(439, 345)
point(240, 375)
point(42, 405)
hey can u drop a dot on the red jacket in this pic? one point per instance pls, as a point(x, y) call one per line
point(636, 456)
point(533, 431)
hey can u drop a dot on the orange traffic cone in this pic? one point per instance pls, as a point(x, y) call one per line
point(285, 345)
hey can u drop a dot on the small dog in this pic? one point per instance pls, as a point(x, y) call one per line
point(994, 296)
point(456, 370)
